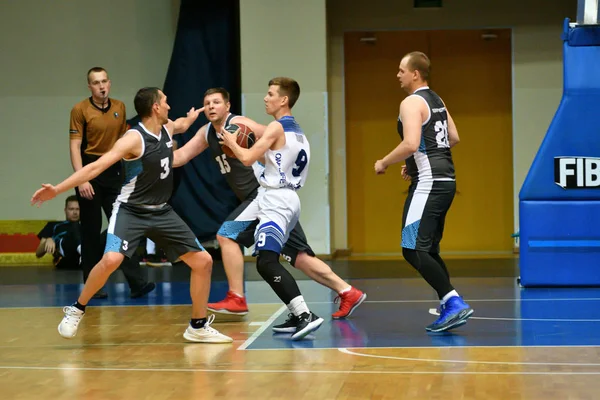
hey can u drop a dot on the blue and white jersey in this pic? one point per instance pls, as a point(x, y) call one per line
point(287, 167)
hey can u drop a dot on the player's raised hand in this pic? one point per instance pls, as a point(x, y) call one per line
point(47, 192)
point(193, 113)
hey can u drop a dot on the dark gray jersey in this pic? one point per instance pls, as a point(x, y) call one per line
point(433, 159)
point(149, 178)
point(241, 179)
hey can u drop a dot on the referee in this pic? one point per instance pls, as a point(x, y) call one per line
point(96, 124)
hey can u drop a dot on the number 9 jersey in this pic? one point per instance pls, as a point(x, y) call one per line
point(287, 167)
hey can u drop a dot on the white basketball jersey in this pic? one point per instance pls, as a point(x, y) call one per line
point(287, 167)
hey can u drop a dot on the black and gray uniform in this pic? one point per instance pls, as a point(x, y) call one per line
point(433, 183)
point(141, 209)
point(241, 222)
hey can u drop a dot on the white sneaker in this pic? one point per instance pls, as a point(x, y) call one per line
point(68, 326)
point(206, 334)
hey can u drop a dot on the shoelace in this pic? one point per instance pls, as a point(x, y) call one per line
point(291, 317)
point(339, 299)
point(207, 326)
point(73, 316)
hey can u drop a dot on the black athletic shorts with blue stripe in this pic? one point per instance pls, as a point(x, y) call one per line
point(424, 214)
point(129, 224)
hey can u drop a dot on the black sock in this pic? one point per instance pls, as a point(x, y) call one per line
point(438, 259)
point(430, 270)
point(279, 278)
point(79, 306)
point(197, 323)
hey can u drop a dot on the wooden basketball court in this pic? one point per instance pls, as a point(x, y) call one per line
point(521, 343)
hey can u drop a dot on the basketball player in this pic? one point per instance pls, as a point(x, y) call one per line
point(141, 210)
point(427, 132)
point(286, 154)
point(239, 226)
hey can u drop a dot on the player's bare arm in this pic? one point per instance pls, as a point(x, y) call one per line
point(453, 137)
point(411, 114)
point(129, 146)
point(258, 129)
point(191, 149)
point(273, 133)
point(181, 125)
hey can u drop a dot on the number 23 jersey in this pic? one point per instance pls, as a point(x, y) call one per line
point(433, 160)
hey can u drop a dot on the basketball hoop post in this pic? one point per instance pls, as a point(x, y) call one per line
point(588, 12)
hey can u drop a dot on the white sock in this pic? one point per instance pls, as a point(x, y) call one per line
point(447, 297)
point(150, 247)
point(237, 294)
point(79, 249)
point(346, 290)
point(298, 306)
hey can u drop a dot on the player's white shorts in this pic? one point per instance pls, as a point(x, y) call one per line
point(278, 213)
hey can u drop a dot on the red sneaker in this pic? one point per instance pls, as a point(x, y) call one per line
point(349, 301)
point(232, 304)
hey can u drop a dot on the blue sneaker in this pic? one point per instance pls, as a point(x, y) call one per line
point(452, 315)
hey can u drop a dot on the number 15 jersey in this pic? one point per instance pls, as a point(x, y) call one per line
point(287, 167)
point(433, 159)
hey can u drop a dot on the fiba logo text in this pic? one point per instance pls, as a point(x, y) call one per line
point(577, 172)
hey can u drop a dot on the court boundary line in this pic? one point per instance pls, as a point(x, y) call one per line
point(262, 328)
point(430, 360)
point(80, 345)
point(291, 371)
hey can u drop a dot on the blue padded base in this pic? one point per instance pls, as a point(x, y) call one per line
point(559, 243)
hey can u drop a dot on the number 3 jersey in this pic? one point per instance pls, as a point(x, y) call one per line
point(149, 177)
point(287, 167)
point(433, 159)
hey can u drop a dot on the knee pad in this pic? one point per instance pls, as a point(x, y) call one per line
point(268, 265)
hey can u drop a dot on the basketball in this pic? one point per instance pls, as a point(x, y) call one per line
point(245, 138)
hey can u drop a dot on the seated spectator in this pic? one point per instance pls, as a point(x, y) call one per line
point(62, 239)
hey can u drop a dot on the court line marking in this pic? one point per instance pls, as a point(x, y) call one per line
point(75, 345)
point(434, 311)
point(263, 327)
point(314, 302)
point(440, 347)
point(431, 360)
point(285, 371)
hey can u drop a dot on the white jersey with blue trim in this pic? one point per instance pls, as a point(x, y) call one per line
point(287, 167)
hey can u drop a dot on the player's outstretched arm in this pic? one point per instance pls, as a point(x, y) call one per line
point(410, 113)
point(249, 156)
point(181, 125)
point(129, 145)
point(258, 129)
point(191, 149)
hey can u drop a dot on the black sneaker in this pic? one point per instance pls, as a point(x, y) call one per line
point(289, 326)
point(307, 323)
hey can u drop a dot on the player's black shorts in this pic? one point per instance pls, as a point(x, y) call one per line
point(425, 213)
point(129, 224)
point(241, 224)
